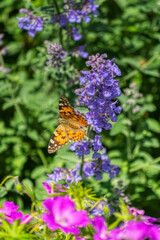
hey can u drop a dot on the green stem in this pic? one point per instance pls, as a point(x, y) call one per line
point(129, 145)
point(60, 29)
point(82, 164)
point(56, 6)
point(6, 178)
point(1, 60)
point(129, 152)
point(88, 131)
point(43, 159)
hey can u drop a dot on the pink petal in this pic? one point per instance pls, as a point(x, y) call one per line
point(47, 187)
point(80, 218)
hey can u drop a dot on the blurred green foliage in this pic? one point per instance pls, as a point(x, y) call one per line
point(29, 96)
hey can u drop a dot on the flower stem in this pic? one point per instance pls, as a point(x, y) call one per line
point(6, 178)
point(129, 145)
point(60, 29)
point(82, 164)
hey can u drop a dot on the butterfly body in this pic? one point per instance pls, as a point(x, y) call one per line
point(70, 128)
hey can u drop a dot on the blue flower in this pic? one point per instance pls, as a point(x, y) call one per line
point(98, 209)
point(63, 20)
point(72, 17)
point(97, 144)
point(81, 148)
point(88, 169)
point(76, 36)
point(82, 53)
point(31, 23)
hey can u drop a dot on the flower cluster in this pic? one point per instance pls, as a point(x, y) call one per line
point(100, 88)
point(9, 213)
point(61, 214)
point(74, 13)
point(78, 11)
point(131, 230)
point(56, 54)
point(30, 22)
point(101, 162)
point(60, 174)
point(96, 168)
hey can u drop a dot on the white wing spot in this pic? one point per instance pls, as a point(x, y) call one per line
point(51, 141)
point(49, 146)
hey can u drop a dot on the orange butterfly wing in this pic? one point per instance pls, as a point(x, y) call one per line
point(67, 111)
point(70, 128)
point(58, 139)
point(75, 134)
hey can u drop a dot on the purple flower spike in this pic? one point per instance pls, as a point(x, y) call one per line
point(99, 90)
point(62, 215)
point(56, 54)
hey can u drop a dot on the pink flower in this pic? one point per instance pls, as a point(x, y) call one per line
point(10, 213)
point(136, 213)
point(100, 227)
point(62, 215)
point(135, 230)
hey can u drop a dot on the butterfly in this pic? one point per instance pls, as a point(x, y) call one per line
point(70, 128)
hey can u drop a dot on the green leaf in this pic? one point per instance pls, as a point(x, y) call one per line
point(82, 109)
point(153, 125)
point(153, 73)
point(28, 188)
point(153, 142)
point(38, 171)
point(118, 127)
